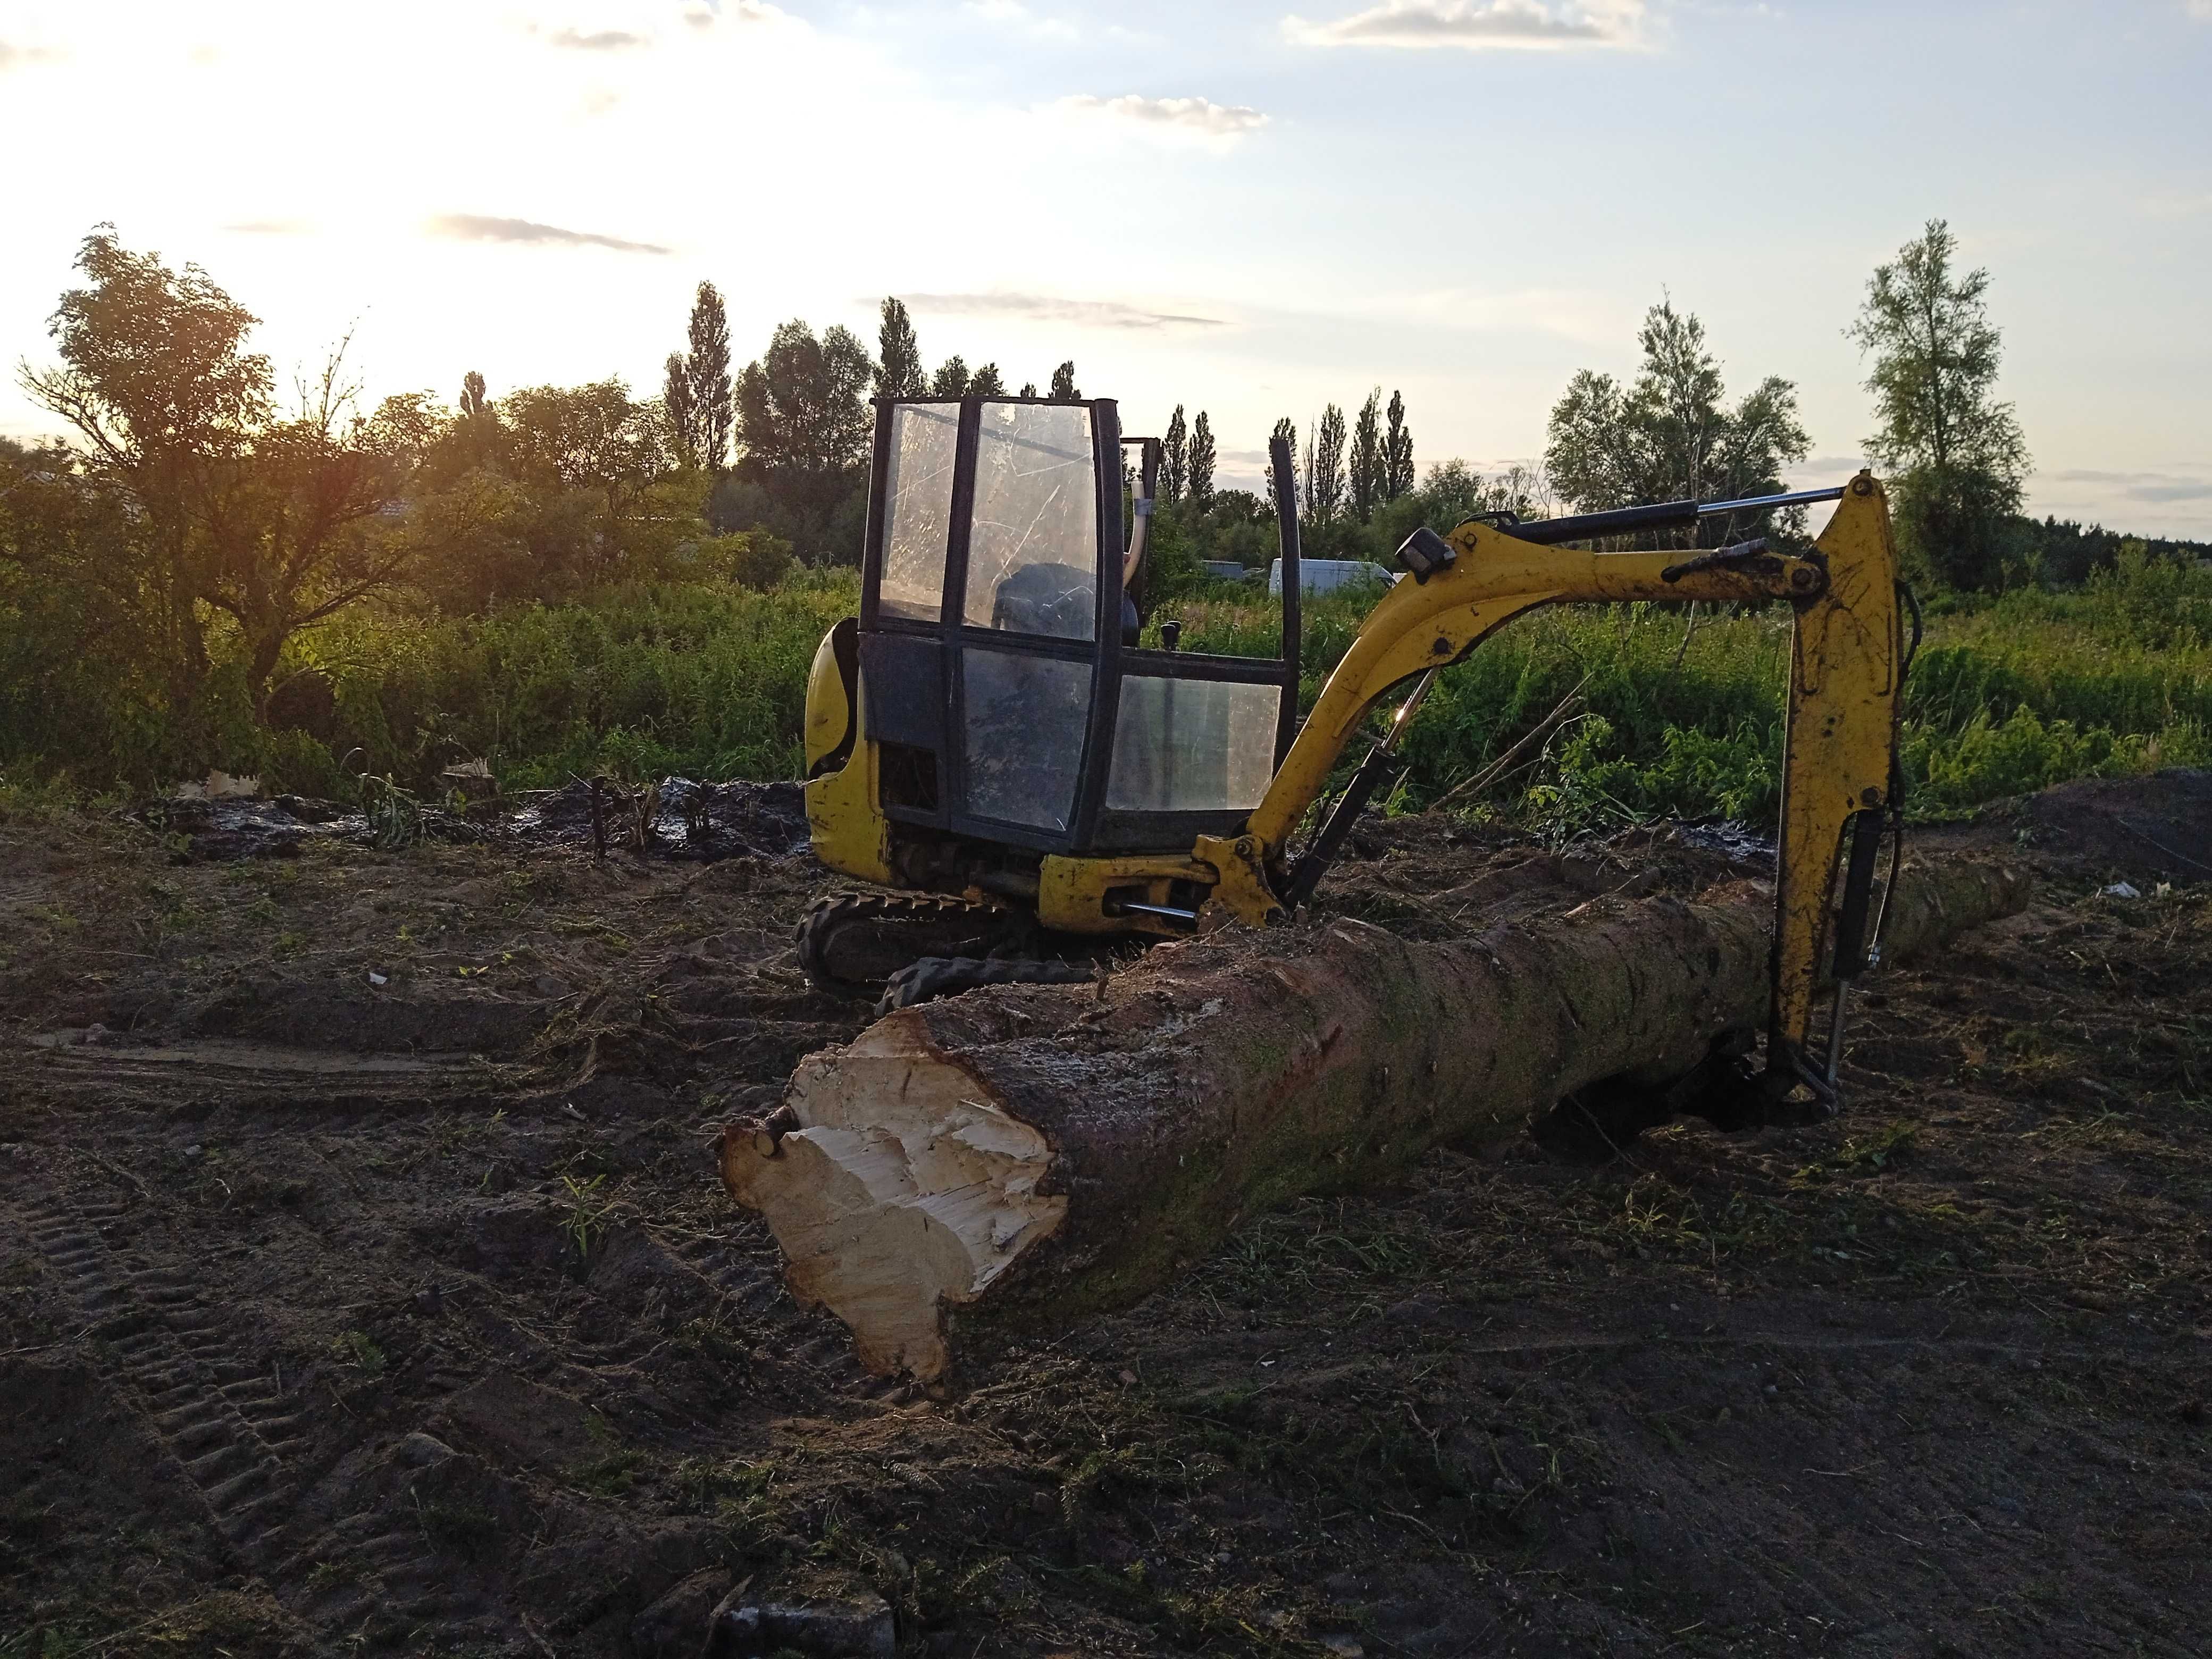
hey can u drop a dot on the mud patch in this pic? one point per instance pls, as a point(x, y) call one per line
point(226, 829)
point(687, 819)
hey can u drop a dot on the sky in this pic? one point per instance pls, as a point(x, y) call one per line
point(1253, 208)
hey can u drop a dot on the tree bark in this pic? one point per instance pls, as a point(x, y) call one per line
point(1019, 1157)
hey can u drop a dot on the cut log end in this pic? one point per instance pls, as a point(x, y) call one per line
point(898, 1188)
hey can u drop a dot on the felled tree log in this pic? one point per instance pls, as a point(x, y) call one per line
point(1020, 1156)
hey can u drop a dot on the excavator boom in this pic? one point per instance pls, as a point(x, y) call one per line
point(1846, 675)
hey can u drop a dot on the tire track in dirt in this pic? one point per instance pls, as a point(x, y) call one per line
point(226, 1422)
point(240, 1438)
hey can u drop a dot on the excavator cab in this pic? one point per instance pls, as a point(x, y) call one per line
point(993, 687)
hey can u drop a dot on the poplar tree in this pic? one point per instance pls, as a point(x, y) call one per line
point(1064, 389)
point(1200, 485)
point(1397, 451)
point(683, 419)
point(1325, 467)
point(1368, 470)
point(707, 375)
point(899, 372)
point(1175, 458)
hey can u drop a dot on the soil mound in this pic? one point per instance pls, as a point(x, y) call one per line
point(2160, 825)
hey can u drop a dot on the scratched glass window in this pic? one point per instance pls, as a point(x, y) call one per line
point(918, 509)
point(1025, 717)
point(1033, 545)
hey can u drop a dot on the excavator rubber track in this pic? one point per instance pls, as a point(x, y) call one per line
point(853, 943)
point(944, 976)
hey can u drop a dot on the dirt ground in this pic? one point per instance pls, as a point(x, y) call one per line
point(365, 1286)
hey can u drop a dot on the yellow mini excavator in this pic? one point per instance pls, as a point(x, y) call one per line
point(990, 746)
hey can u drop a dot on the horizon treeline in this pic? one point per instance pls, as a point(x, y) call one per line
point(176, 574)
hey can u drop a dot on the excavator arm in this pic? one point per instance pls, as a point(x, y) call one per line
point(1846, 678)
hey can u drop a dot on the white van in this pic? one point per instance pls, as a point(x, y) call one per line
point(1327, 575)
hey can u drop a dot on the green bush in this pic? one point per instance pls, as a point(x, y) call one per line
point(705, 679)
point(2008, 694)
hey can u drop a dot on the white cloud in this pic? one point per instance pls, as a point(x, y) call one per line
point(485, 227)
point(1482, 25)
point(1051, 308)
point(2200, 10)
point(595, 40)
point(1012, 14)
point(16, 56)
point(1199, 117)
point(1588, 316)
point(2155, 488)
point(708, 14)
point(2176, 203)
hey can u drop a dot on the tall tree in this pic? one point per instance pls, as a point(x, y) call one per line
point(1670, 435)
point(268, 518)
point(986, 383)
point(1368, 470)
point(1961, 455)
point(1064, 389)
point(1592, 449)
point(1397, 451)
point(594, 438)
point(803, 422)
point(476, 435)
point(1200, 486)
point(899, 372)
point(707, 373)
point(952, 380)
point(1325, 467)
point(1679, 394)
point(156, 380)
point(683, 418)
point(1175, 458)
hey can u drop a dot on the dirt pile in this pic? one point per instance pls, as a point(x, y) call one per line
point(341, 1316)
